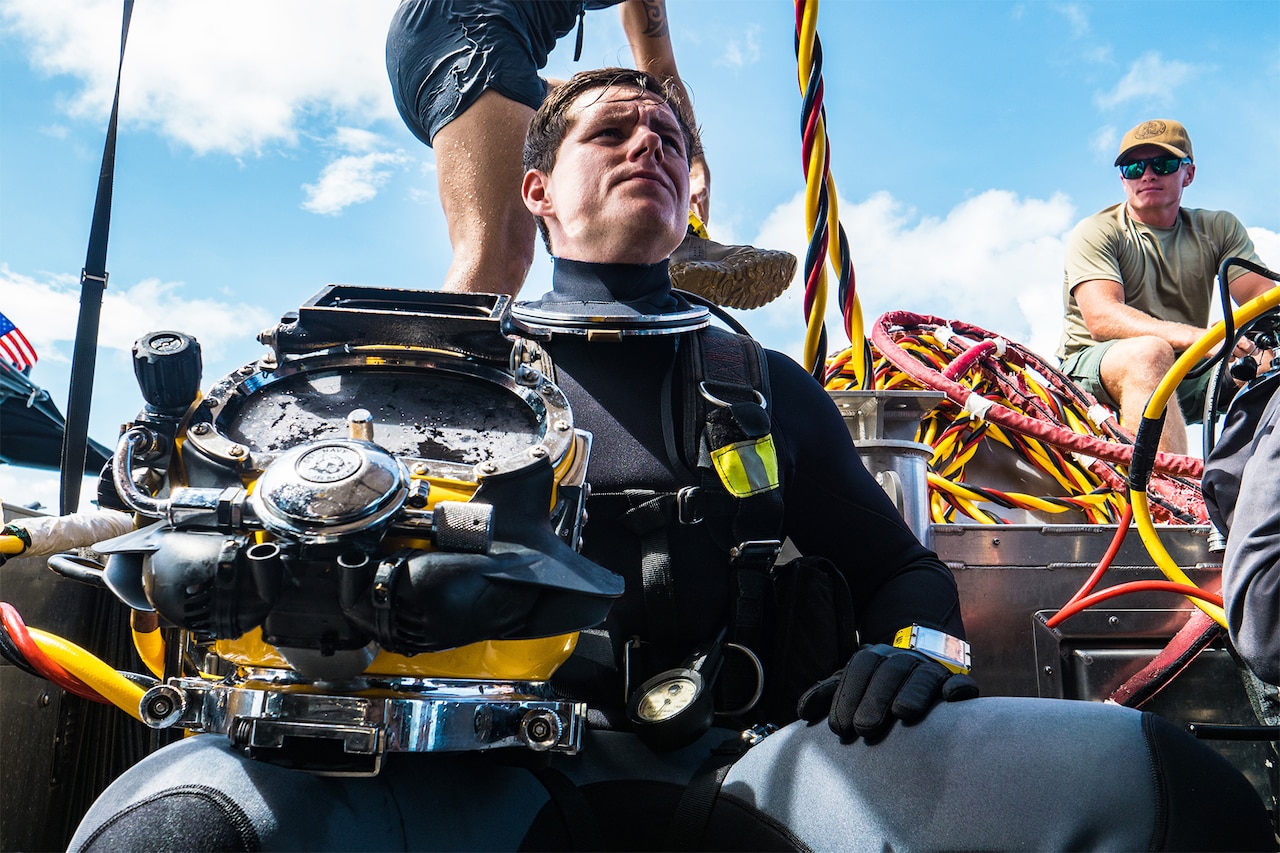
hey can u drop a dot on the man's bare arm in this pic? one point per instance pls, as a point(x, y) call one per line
point(1249, 286)
point(645, 23)
point(1108, 317)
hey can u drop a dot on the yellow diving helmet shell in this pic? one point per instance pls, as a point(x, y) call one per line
point(443, 428)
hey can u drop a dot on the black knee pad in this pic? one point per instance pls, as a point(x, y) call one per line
point(1204, 802)
point(190, 817)
point(736, 825)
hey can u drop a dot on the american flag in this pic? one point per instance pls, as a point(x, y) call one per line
point(15, 346)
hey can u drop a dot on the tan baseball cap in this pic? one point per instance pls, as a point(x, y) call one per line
point(1166, 133)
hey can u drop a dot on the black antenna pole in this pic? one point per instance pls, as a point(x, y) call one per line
point(93, 281)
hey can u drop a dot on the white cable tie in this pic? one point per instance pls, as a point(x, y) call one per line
point(943, 334)
point(1000, 343)
point(1099, 414)
point(1083, 459)
point(977, 406)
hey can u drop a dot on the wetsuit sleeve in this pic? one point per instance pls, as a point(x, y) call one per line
point(835, 509)
point(1242, 493)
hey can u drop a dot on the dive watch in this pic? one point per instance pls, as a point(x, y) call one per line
point(952, 652)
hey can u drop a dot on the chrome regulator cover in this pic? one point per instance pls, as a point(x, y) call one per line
point(317, 493)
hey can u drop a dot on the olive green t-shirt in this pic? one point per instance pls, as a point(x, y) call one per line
point(1166, 272)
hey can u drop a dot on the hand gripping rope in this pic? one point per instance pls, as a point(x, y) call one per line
point(822, 217)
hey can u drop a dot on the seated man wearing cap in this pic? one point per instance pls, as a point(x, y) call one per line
point(1140, 279)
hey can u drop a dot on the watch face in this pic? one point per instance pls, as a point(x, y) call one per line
point(943, 645)
point(666, 699)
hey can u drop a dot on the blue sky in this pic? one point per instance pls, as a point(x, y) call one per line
point(260, 156)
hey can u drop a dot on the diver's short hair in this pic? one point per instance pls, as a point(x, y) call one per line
point(551, 122)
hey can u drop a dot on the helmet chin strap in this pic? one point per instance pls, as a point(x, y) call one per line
point(607, 302)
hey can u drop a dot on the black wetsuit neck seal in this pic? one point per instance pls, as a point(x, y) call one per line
point(609, 301)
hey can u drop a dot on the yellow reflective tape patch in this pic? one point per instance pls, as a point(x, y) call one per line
point(747, 467)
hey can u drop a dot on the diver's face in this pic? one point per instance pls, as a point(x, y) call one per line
point(619, 191)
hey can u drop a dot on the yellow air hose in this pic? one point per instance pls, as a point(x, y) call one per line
point(1154, 415)
point(150, 648)
point(108, 683)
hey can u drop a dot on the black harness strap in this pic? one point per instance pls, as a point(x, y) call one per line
point(679, 461)
point(688, 827)
point(578, 815)
point(732, 414)
point(648, 518)
point(732, 368)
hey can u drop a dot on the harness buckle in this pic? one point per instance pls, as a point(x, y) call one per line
point(689, 505)
point(755, 552)
point(752, 736)
point(724, 404)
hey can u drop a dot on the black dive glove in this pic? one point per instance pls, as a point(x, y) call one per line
point(881, 684)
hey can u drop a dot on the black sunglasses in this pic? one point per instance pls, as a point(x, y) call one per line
point(1160, 165)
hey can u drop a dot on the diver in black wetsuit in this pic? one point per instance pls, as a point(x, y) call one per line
point(605, 173)
point(833, 507)
point(884, 764)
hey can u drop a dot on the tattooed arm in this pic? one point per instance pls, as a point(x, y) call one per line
point(645, 23)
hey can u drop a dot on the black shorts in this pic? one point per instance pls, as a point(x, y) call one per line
point(443, 54)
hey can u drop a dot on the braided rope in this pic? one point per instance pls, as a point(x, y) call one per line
point(827, 240)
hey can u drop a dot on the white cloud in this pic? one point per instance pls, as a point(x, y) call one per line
point(45, 309)
point(350, 180)
point(994, 261)
point(39, 488)
point(742, 50)
point(233, 76)
point(1076, 17)
point(1105, 141)
point(1267, 243)
point(355, 140)
point(1150, 78)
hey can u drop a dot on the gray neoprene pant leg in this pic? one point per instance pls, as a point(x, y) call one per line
point(987, 774)
point(1000, 774)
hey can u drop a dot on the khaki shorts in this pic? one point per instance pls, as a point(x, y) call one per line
point(1085, 369)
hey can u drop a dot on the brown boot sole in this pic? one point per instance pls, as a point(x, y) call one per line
point(740, 285)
